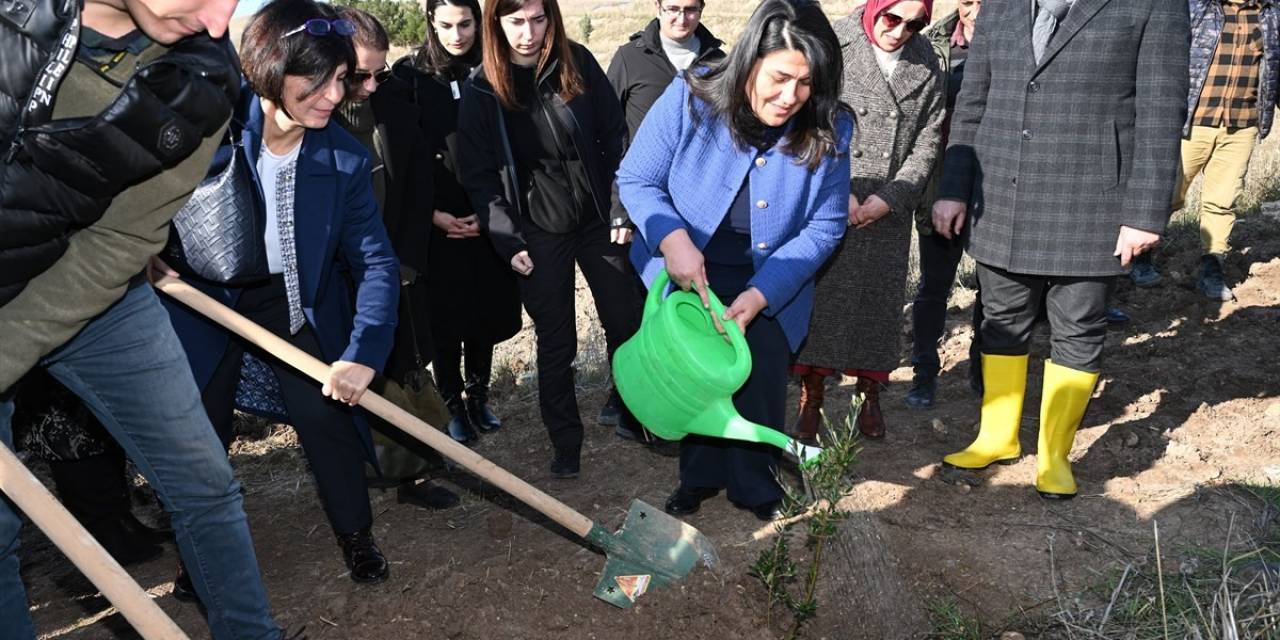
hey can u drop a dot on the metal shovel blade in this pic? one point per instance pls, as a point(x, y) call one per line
point(652, 549)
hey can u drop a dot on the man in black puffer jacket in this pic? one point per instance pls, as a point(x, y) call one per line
point(108, 119)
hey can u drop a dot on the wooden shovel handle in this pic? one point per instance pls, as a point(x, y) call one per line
point(93, 561)
point(379, 406)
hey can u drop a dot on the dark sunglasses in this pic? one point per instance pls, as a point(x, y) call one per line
point(891, 22)
point(324, 27)
point(380, 76)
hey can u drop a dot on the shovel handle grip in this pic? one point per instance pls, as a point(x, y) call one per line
point(379, 406)
point(89, 557)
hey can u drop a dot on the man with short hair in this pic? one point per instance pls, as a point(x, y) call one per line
point(380, 113)
point(1235, 77)
point(82, 209)
point(1058, 162)
point(672, 42)
point(640, 71)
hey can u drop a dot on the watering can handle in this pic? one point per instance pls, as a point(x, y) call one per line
point(658, 291)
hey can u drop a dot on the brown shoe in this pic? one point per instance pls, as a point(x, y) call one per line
point(812, 386)
point(870, 420)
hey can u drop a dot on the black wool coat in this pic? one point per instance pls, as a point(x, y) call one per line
point(472, 293)
point(406, 213)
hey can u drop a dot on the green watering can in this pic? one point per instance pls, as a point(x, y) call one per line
point(677, 374)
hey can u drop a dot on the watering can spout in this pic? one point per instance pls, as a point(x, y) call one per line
point(722, 419)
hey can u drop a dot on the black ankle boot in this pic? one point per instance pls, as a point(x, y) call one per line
point(460, 427)
point(363, 558)
point(479, 367)
point(478, 411)
point(95, 490)
point(566, 463)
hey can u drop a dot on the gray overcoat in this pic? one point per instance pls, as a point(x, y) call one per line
point(1052, 158)
point(857, 314)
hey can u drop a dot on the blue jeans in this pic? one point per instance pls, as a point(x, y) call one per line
point(130, 370)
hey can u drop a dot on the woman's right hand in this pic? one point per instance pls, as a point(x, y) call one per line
point(521, 263)
point(685, 263)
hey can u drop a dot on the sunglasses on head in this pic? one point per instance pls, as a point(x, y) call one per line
point(892, 20)
point(380, 76)
point(324, 27)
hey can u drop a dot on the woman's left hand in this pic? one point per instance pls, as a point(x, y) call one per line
point(745, 307)
point(347, 381)
point(620, 235)
point(872, 209)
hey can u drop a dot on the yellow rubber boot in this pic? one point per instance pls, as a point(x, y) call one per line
point(1066, 394)
point(1004, 383)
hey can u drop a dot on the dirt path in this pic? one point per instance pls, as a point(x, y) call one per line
point(1188, 404)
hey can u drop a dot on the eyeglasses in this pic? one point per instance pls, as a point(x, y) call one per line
point(380, 76)
point(891, 22)
point(323, 27)
point(673, 12)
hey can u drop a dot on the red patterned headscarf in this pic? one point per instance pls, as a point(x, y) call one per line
point(874, 8)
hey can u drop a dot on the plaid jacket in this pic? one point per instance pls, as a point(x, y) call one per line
point(1207, 19)
point(1053, 158)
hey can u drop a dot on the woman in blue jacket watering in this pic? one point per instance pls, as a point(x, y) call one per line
point(746, 191)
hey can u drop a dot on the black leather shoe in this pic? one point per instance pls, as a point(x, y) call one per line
point(154, 535)
point(426, 495)
point(685, 501)
point(922, 393)
point(127, 547)
point(768, 511)
point(183, 590)
point(611, 412)
point(481, 417)
point(566, 464)
point(363, 558)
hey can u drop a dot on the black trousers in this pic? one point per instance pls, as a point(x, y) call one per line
point(939, 259)
point(1076, 307)
point(325, 427)
point(448, 368)
point(746, 469)
point(548, 296)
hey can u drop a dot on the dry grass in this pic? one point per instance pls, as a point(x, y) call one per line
point(1227, 592)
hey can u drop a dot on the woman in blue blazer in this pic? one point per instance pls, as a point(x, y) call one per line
point(746, 191)
point(323, 231)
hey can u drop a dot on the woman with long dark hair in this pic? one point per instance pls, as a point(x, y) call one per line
point(894, 84)
point(542, 133)
point(322, 231)
point(738, 180)
point(474, 300)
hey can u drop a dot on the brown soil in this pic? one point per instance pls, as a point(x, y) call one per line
point(1187, 405)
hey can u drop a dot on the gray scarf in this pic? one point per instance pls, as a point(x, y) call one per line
point(1051, 13)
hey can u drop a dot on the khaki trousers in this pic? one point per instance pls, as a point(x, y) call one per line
point(1223, 155)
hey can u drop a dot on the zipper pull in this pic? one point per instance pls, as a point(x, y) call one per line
point(14, 147)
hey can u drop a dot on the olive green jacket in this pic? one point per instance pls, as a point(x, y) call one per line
point(103, 258)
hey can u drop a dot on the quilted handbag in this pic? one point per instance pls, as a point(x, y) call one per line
point(217, 236)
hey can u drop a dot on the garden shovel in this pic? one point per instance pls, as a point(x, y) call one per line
point(652, 549)
point(85, 553)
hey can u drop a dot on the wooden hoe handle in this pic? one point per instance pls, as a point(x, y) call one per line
point(379, 406)
point(93, 561)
